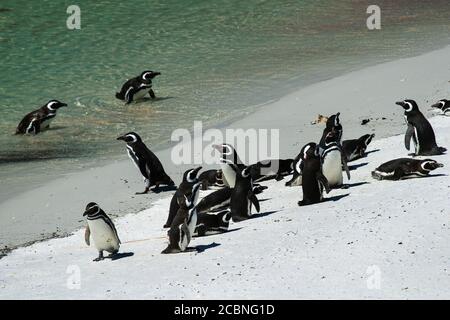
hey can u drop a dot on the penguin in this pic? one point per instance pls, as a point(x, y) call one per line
point(102, 230)
point(185, 187)
point(405, 167)
point(313, 180)
point(356, 148)
point(296, 179)
point(211, 178)
point(273, 168)
point(184, 223)
point(208, 224)
point(443, 105)
point(136, 88)
point(419, 130)
point(228, 159)
point(217, 200)
point(333, 159)
point(333, 124)
point(146, 161)
point(242, 196)
point(39, 120)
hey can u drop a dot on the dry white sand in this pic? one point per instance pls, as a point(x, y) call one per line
point(56, 207)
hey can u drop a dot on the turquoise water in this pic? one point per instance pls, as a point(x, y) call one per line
point(218, 59)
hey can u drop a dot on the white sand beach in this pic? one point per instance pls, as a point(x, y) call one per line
point(320, 251)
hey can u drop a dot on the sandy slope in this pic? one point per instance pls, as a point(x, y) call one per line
point(400, 229)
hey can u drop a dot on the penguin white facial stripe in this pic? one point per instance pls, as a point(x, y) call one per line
point(189, 179)
point(305, 151)
point(410, 106)
point(297, 166)
point(49, 106)
point(132, 136)
point(422, 165)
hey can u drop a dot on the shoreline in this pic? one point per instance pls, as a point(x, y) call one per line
point(55, 208)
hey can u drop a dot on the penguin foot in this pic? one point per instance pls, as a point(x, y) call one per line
point(98, 259)
point(170, 250)
point(143, 192)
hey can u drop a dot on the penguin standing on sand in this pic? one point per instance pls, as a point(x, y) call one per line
point(184, 223)
point(228, 160)
point(419, 130)
point(333, 125)
point(146, 161)
point(313, 180)
point(102, 230)
point(356, 148)
point(185, 188)
point(136, 88)
point(405, 167)
point(297, 164)
point(40, 119)
point(242, 195)
point(443, 105)
point(333, 159)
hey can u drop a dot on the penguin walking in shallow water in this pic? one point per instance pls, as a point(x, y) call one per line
point(405, 167)
point(102, 230)
point(443, 105)
point(356, 148)
point(242, 195)
point(146, 161)
point(136, 88)
point(39, 120)
point(333, 159)
point(297, 165)
point(184, 223)
point(185, 188)
point(313, 180)
point(419, 130)
point(228, 160)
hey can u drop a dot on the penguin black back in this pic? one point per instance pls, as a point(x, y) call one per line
point(38, 120)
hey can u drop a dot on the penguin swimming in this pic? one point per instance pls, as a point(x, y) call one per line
point(136, 88)
point(333, 159)
point(208, 224)
point(228, 159)
point(242, 195)
point(443, 105)
point(39, 120)
point(184, 223)
point(146, 161)
point(356, 148)
point(296, 179)
point(419, 130)
point(313, 180)
point(268, 169)
point(211, 178)
point(102, 230)
point(405, 167)
point(185, 188)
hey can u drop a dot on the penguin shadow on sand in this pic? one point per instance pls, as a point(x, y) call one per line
point(163, 189)
point(335, 198)
point(262, 214)
point(353, 167)
point(371, 151)
point(120, 255)
point(201, 248)
point(356, 184)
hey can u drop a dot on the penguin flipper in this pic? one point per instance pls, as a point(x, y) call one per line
point(323, 180)
point(409, 134)
point(254, 200)
point(152, 93)
point(87, 235)
point(344, 164)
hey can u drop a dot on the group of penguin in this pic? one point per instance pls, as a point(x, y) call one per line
point(317, 168)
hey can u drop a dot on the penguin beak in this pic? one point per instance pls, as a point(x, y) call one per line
point(439, 165)
point(400, 103)
point(63, 104)
point(156, 74)
point(436, 105)
point(85, 213)
point(197, 170)
point(121, 138)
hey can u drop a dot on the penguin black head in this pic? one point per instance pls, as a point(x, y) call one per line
point(333, 121)
point(53, 105)
point(409, 105)
point(191, 175)
point(130, 138)
point(429, 165)
point(91, 209)
point(148, 75)
point(442, 104)
point(227, 153)
point(368, 138)
point(190, 199)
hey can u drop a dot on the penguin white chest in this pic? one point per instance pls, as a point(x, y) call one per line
point(141, 93)
point(229, 175)
point(332, 168)
point(104, 237)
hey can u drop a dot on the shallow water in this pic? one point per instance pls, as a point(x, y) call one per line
point(218, 59)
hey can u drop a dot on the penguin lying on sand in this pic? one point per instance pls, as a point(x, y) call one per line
point(405, 167)
point(443, 105)
point(356, 148)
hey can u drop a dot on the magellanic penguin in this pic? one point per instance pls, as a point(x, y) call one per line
point(296, 179)
point(146, 161)
point(419, 130)
point(242, 195)
point(40, 119)
point(208, 224)
point(443, 105)
point(405, 167)
point(333, 159)
point(333, 125)
point(211, 178)
point(228, 159)
point(184, 223)
point(102, 230)
point(136, 88)
point(271, 169)
point(356, 148)
point(185, 188)
point(313, 180)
